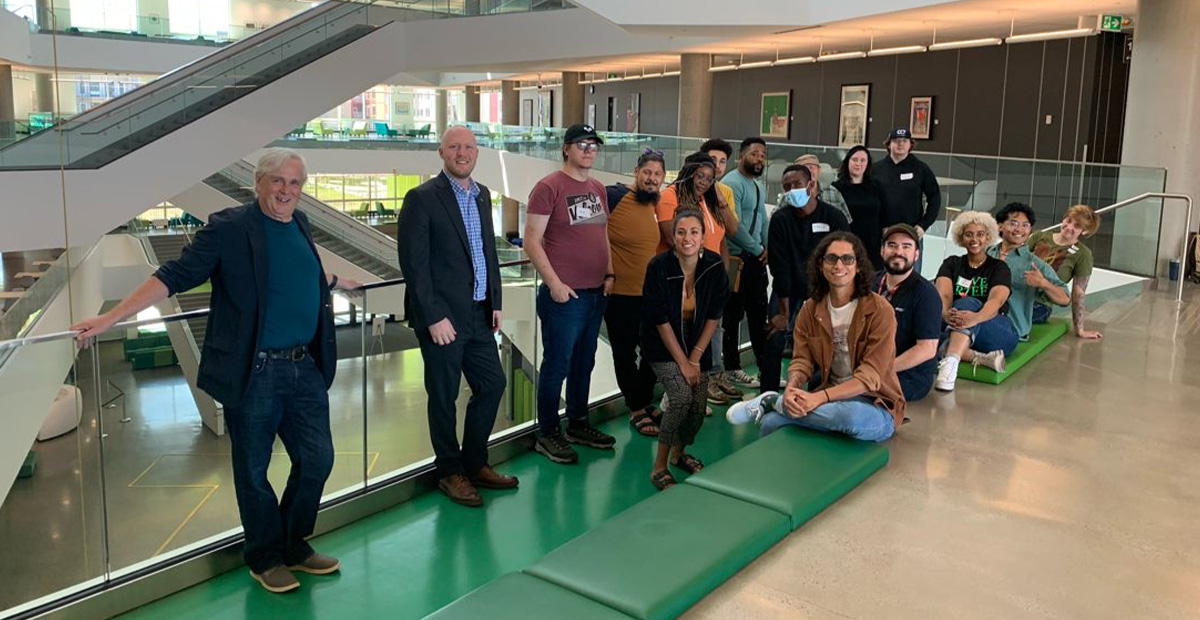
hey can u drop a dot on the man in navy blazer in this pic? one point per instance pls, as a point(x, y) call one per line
point(448, 256)
point(269, 357)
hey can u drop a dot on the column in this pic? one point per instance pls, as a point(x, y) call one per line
point(442, 111)
point(472, 104)
point(1161, 117)
point(572, 99)
point(8, 111)
point(510, 216)
point(43, 85)
point(45, 15)
point(510, 103)
point(695, 95)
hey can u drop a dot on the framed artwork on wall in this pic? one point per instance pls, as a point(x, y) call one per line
point(776, 115)
point(852, 116)
point(527, 112)
point(545, 108)
point(591, 114)
point(920, 117)
point(633, 113)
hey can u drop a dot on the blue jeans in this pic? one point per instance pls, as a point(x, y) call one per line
point(288, 399)
point(1041, 312)
point(857, 417)
point(570, 331)
point(995, 333)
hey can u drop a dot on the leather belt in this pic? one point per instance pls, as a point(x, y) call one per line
point(295, 354)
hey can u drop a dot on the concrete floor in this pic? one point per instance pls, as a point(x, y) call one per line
point(1071, 491)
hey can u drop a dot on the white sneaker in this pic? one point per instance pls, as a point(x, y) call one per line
point(947, 374)
point(993, 360)
point(662, 404)
point(748, 411)
point(741, 378)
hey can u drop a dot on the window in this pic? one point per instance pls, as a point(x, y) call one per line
point(199, 17)
point(118, 15)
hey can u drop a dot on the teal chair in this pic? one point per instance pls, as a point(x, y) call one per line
point(382, 130)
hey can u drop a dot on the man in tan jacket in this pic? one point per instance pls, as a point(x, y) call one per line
point(845, 340)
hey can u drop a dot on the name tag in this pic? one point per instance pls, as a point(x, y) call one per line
point(906, 176)
point(820, 227)
point(964, 282)
point(1072, 250)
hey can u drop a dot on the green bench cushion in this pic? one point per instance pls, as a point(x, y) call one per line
point(794, 471)
point(28, 466)
point(143, 342)
point(153, 358)
point(660, 556)
point(1040, 336)
point(516, 596)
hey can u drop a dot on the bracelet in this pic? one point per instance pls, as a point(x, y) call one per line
point(694, 363)
point(826, 395)
point(610, 276)
point(333, 282)
point(697, 348)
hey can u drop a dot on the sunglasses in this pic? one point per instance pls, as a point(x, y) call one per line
point(832, 259)
point(655, 152)
point(587, 147)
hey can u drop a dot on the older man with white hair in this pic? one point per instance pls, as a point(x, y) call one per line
point(269, 358)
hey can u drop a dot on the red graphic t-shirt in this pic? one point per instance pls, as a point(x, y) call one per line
point(576, 237)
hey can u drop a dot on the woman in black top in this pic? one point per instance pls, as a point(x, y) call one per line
point(866, 200)
point(682, 300)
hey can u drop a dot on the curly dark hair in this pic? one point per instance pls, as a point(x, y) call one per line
point(818, 286)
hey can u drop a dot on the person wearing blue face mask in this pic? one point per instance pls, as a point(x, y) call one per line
point(796, 228)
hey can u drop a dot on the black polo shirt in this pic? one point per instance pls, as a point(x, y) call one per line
point(918, 317)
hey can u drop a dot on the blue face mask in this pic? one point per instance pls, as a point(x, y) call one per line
point(797, 197)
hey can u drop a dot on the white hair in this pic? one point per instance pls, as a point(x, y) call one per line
point(274, 159)
point(981, 218)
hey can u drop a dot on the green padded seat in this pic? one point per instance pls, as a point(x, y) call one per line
point(794, 471)
point(517, 596)
point(660, 556)
point(1040, 336)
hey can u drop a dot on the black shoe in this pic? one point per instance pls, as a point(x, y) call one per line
point(588, 435)
point(556, 449)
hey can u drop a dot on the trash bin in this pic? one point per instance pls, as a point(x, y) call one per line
point(1174, 266)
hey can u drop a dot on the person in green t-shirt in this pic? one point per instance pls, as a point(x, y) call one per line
point(1071, 260)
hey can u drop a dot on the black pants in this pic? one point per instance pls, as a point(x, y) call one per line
point(473, 355)
point(635, 377)
point(778, 347)
point(750, 300)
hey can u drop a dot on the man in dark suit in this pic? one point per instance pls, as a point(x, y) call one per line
point(269, 358)
point(448, 256)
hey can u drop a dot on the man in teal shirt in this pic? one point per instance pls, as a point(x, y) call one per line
point(748, 267)
point(1030, 274)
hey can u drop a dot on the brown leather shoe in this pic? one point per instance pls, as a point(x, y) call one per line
point(488, 478)
point(460, 490)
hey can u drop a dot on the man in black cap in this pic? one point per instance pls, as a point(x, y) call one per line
point(905, 179)
point(566, 237)
point(918, 310)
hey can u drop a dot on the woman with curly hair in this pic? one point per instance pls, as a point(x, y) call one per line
point(845, 344)
point(695, 188)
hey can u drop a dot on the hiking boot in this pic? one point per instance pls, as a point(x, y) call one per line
point(460, 490)
point(753, 410)
point(993, 360)
point(318, 564)
point(588, 435)
point(725, 386)
point(715, 395)
point(741, 378)
point(556, 449)
point(277, 579)
point(947, 374)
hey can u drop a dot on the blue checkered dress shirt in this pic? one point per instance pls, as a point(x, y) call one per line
point(468, 206)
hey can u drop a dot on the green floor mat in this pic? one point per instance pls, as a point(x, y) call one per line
point(1040, 337)
point(517, 596)
point(794, 471)
point(659, 557)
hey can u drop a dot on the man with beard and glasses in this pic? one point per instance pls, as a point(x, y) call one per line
point(918, 310)
point(633, 237)
point(748, 261)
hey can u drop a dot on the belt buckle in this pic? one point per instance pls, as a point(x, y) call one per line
point(297, 354)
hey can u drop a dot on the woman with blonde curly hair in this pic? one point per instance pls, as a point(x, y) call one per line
point(974, 289)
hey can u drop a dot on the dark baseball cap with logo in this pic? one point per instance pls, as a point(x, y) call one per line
point(903, 229)
point(575, 133)
point(900, 132)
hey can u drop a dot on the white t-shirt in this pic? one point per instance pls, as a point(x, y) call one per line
point(842, 370)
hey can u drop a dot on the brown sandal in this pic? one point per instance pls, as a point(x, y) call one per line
point(663, 480)
point(644, 423)
point(688, 463)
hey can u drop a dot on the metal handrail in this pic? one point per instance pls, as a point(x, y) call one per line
point(191, 314)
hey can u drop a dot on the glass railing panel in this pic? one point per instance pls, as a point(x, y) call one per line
point(52, 520)
point(1129, 238)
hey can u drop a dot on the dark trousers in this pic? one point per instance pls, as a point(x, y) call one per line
point(635, 377)
point(472, 355)
point(771, 371)
point(288, 399)
point(750, 300)
point(570, 331)
point(915, 384)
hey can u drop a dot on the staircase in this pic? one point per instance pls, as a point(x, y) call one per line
point(168, 248)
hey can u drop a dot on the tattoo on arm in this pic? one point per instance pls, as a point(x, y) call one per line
point(1078, 301)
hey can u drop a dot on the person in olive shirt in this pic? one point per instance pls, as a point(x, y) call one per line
point(905, 180)
point(799, 224)
point(1072, 260)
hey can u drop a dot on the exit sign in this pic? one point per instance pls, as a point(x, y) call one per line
point(1111, 23)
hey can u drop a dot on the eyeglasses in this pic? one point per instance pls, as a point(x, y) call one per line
point(1018, 225)
point(971, 234)
point(654, 152)
point(587, 147)
point(832, 259)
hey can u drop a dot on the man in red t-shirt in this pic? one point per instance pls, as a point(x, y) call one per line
point(566, 237)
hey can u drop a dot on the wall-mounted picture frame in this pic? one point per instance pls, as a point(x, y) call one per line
point(633, 121)
point(852, 115)
point(545, 108)
point(776, 115)
point(920, 117)
point(527, 112)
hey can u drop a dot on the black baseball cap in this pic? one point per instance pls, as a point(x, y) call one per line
point(575, 133)
point(903, 229)
point(900, 132)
